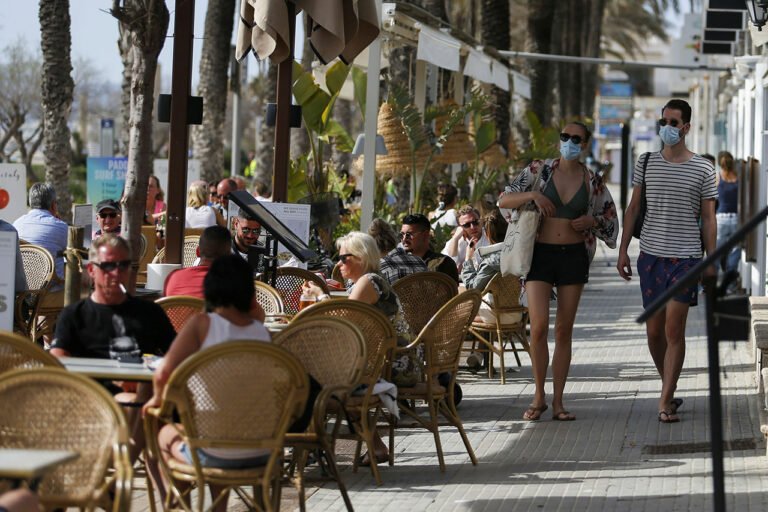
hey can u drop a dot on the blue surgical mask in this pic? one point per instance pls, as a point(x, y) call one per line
point(570, 150)
point(669, 135)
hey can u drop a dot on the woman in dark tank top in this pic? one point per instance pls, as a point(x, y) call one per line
point(728, 210)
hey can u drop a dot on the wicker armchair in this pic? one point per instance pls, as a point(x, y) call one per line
point(239, 394)
point(268, 298)
point(181, 308)
point(332, 350)
point(189, 252)
point(57, 410)
point(19, 352)
point(509, 318)
point(288, 282)
point(442, 338)
point(380, 338)
point(422, 294)
point(40, 272)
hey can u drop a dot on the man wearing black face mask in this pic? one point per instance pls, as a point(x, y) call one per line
point(679, 188)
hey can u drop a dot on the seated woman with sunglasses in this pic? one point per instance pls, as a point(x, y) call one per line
point(576, 209)
point(359, 264)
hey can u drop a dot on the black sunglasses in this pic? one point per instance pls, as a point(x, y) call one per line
point(408, 235)
point(672, 122)
point(108, 215)
point(344, 257)
point(470, 224)
point(576, 139)
point(255, 231)
point(109, 266)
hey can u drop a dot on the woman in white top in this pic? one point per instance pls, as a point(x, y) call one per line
point(229, 295)
point(199, 214)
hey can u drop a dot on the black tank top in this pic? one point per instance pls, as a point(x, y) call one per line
point(575, 208)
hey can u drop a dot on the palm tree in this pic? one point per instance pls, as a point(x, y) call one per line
point(207, 139)
point(266, 84)
point(495, 33)
point(126, 57)
point(147, 23)
point(57, 92)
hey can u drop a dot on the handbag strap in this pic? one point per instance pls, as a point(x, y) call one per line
point(645, 166)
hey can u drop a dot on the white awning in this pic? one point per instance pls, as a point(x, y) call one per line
point(438, 48)
point(500, 74)
point(521, 85)
point(478, 66)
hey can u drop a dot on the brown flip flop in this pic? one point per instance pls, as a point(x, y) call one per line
point(563, 416)
point(533, 413)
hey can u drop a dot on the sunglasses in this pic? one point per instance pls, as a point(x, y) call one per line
point(470, 224)
point(408, 235)
point(344, 257)
point(109, 266)
point(108, 215)
point(576, 139)
point(672, 122)
point(247, 231)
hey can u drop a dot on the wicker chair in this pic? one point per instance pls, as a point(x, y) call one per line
point(380, 338)
point(57, 410)
point(422, 294)
point(288, 282)
point(332, 350)
point(442, 338)
point(181, 308)
point(509, 318)
point(268, 298)
point(239, 394)
point(189, 252)
point(40, 272)
point(19, 352)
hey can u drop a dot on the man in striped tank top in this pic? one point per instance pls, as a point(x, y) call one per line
point(680, 190)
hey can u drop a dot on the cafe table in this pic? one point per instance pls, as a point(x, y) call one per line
point(31, 465)
point(108, 369)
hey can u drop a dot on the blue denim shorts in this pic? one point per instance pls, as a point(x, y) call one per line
point(211, 461)
point(659, 274)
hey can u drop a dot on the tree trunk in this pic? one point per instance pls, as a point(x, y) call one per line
point(299, 136)
point(265, 151)
point(126, 56)
point(57, 91)
point(208, 138)
point(495, 33)
point(148, 23)
point(342, 112)
point(540, 18)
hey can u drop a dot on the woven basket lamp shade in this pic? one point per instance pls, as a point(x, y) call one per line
point(494, 157)
point(398, 157)
point(457, 148)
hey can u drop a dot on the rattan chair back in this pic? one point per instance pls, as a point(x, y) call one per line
point(238, 394)
point(20, 352)
point(39, 267)
point(505, 291)
point(268, 298)
point(189, 252)
point(57, 410)
point(422, 294)
point(288, 282)
point(380, 336)
point(181, 308)
point(444, 334)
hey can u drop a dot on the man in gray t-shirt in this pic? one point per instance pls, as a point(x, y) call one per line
point(680, 190)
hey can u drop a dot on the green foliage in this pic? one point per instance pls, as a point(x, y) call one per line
point(316, 111)
point(360, 83)
point(543, 142)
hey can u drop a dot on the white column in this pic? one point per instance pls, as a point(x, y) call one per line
point(761, 152)
point(371, 119)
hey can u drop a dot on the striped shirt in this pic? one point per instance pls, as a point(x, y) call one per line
point(674, 192)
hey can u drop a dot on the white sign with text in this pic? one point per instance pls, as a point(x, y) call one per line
point(13, 191)
point(7, 279)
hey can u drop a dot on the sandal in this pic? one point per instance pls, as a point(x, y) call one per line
point(675, 404)
point(533, 413)
point(563, 416)
point(668, 417)
point(365, 460)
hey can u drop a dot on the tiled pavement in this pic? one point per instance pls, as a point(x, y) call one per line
point(615, 456)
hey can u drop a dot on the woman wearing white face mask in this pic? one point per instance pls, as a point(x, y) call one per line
point(576, 209)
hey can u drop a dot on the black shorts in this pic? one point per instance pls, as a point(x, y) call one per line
point(559, 264)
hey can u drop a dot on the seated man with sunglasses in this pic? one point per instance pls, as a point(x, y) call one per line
point(469, 233)
point(87, 328)
point(109, 218)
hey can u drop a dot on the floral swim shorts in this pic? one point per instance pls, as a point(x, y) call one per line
point(658, 274)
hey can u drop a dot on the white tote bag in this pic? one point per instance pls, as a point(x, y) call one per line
point(517, 253)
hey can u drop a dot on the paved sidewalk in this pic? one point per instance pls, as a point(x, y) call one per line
point(615, 456)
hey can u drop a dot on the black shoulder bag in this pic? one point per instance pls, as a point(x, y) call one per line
point(643, 204)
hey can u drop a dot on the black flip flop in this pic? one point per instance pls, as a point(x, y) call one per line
point(676, 403)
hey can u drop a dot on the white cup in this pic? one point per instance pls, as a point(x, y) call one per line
point(157, 273)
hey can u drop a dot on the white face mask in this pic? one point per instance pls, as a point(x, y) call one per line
point(669, 135)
